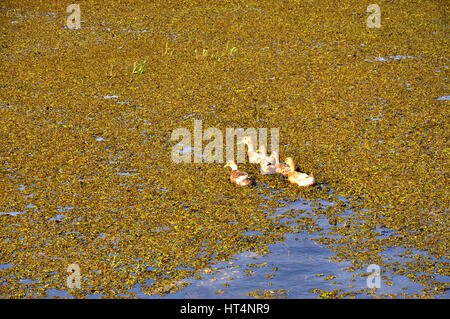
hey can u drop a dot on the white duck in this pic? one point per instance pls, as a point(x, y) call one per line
point(253, 156)
point(280, 168)
point(268, 163)
point(301, 179)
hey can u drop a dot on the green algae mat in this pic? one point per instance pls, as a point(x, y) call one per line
point(86, 117)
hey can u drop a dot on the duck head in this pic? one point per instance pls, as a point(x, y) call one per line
point(231, 164)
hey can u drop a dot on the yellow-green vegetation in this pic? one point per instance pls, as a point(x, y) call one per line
point(268, 294)
point(215, 54)
point(369, 129)
point(138, 67)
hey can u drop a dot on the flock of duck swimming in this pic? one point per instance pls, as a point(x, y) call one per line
point(269, 165)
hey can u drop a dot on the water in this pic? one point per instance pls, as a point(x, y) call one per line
point(293, 269)
point(12, 213)
point(390, 58)
point(298, 267)
point(290, 270)
point(111, 97)
point(4, 266)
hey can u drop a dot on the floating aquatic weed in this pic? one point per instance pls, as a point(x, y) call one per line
point(138, 67)
point(167, 49)
point(319, 94)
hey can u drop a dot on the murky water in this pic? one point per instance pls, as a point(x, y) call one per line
point(296, 261)
point(295, 268)
point(299, 266)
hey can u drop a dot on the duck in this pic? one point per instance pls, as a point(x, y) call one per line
point(238, 177)
point(301, 179)
point(262, 151)
point(280, 168)
point(254, 157)
point(267, 163)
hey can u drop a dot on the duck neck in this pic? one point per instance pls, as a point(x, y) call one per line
point(251, 145)
point(292, 166)
point(276, 158)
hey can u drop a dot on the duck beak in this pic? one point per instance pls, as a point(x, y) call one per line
point(228, 164)
point(241, 142)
